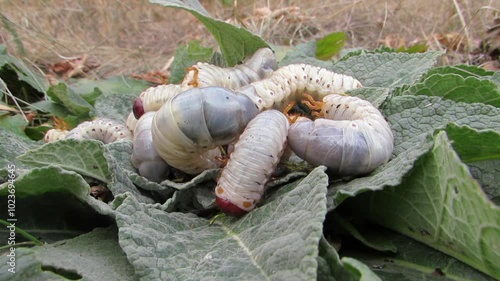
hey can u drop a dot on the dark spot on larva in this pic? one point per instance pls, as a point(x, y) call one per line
point(260, 101)
point(317, 80)
point(93, 130)
point(100, 130)
point(411, 229)
point(327, 111)
point(271, 93)
point(305, 77)
point(455, 189)
point(354, 125)
point(328, 85)
point(95, 167)
point(270, 155)
point(346, 106)
point(227, 98)
point(310, 78)
point(338, 105)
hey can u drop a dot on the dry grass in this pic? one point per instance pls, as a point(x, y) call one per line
point(132, 36)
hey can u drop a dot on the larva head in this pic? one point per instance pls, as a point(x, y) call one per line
point(229, 208)
point(230, 204)
point(138, 108)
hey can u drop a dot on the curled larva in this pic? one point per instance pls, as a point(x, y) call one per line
point(289, 83)
point(354, 139)
point(144, 155)
point(103, 129)
point(55, 135)
point(189, 126)
point(258, 66)
point(255, 157)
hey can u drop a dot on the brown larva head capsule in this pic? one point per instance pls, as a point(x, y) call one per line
point(138, 108)
point(229, 208)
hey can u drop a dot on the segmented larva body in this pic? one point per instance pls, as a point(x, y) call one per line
point(260, 65)
point(189, 126)
point(354, 139)
point(290, 82)
point(153, 98)
point(144, 155)
point(55, 135)
point(103, 129)
point(254, 159)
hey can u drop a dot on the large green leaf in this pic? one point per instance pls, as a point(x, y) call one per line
point(274, 242)
point(83, 156)
point(53, 204)
point(236, 43)
point(387, 69)
point(455, 87)
point(442, 206)
point(414, 116)
point(473, 145)
point(92, 256)
point(63, 95)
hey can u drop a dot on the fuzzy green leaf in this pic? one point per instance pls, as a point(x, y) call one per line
point(455, 87)
point(276, 241)
point(413, 117)
point(54, 204)
point(83, 156)
point(387, 69)
point(72, 259)
point(440, 205)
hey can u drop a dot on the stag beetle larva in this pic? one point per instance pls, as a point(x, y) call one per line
point(260, 65)
point(290, 82)
point(253, 161)
point(103, 129)
point(189, 126)
point(353, 138)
